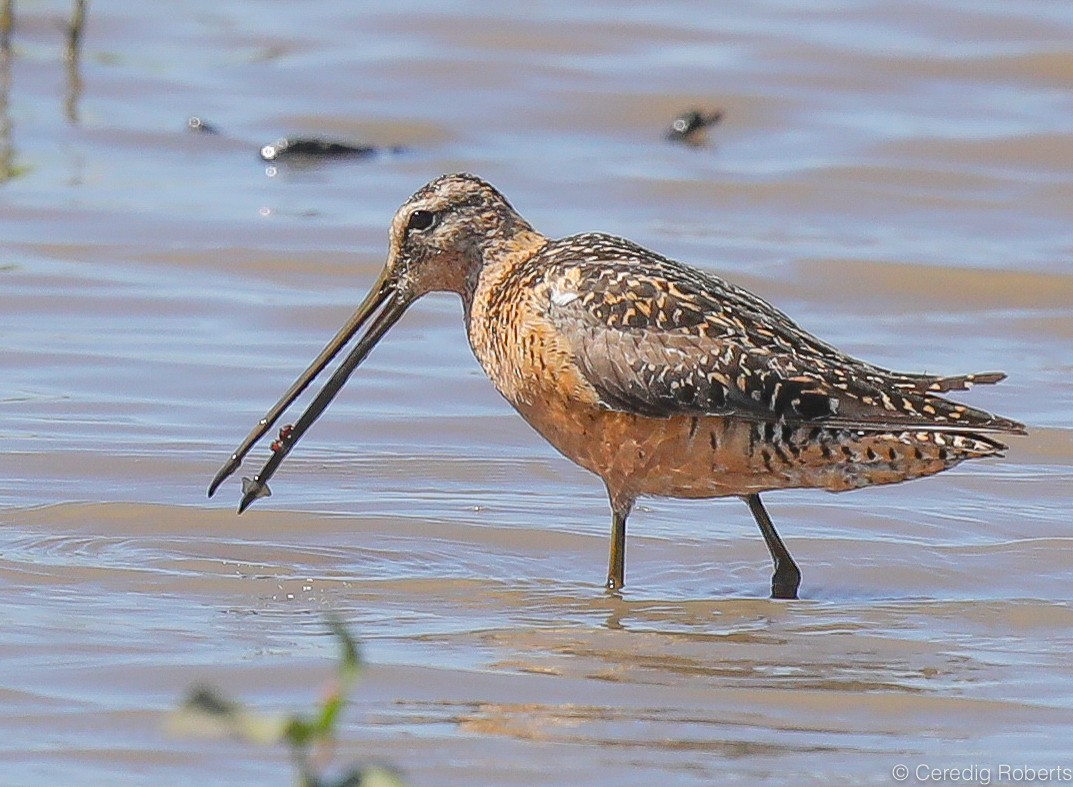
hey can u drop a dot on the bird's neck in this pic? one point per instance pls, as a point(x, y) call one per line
point(496, 305)
point(499, 259)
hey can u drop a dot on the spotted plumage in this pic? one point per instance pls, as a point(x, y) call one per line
point(660, 378)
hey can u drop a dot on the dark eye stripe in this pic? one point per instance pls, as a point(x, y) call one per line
point(421, 220)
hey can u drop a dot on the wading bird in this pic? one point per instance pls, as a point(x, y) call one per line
point(658, 377)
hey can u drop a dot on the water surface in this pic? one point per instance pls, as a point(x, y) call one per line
point(896, 177)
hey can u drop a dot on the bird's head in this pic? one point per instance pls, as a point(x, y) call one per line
point(447, 231)
point(441, 239)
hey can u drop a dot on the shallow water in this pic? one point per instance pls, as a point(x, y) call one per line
point(896, 177)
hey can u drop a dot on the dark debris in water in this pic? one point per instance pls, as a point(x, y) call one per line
point(200, 126)
point(689, 126)
point(302, 150)
point(313, 148)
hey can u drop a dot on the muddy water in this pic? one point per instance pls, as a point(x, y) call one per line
point(897, 177)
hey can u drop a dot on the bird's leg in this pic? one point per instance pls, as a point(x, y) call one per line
point(787, 576)
point(616, 564)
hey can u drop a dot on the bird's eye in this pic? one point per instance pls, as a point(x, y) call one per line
point(421, 220)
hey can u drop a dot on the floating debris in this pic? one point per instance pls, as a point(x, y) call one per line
point(689, 126)
point(313, 148)
point(200, 126)
point(300, 150)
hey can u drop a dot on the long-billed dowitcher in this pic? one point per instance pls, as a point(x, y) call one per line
point(660, 378)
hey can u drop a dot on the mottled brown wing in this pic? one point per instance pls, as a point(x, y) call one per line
point(658, 338)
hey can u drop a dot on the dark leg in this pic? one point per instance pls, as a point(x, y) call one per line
point(787, 576)
point(616, 564)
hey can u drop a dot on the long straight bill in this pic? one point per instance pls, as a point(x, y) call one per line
point(381, 295)
point(257, 487)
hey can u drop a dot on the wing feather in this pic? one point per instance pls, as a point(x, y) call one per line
point(663, 339)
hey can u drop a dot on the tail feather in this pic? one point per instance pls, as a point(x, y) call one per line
point(924, 383)
point(966, 381)
point(904, 408)
point(971, 419)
